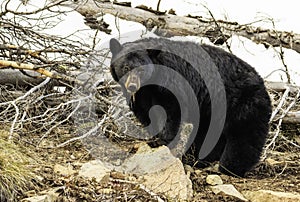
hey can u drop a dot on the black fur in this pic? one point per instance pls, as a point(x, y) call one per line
point(248, 103)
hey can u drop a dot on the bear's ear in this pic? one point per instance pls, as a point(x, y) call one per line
point(115, 46)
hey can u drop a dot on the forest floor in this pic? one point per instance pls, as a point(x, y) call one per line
point(279, 172)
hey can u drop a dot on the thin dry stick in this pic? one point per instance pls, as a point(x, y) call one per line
point(158, 4)
point(291, 142)
point(282, 101)
point(218, 27)
point(281, 54)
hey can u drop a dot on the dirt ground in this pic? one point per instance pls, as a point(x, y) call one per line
point(280, 171)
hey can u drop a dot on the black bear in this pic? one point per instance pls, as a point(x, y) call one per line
point(248, 107)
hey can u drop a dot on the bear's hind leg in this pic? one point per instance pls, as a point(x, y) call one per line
point(243, 147)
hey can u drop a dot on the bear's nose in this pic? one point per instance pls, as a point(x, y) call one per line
point(132, 83)
point(132, 87)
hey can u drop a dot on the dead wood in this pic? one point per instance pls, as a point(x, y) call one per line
point(218, 31)
point(281, 86)
point(17, 78)
point(38, 74)
point(292, 118)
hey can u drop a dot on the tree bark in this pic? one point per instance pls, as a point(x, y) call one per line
point(281, 86)
point(35, 75)
point(217, 31)
point(292, 118)
point(18, 79)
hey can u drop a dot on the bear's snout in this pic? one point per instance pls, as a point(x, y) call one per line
point(132, 83)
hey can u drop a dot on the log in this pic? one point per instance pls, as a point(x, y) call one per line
point(281, 86)
point(172, 25)
point(292, 118)
point(37, 74)
point(18, 79)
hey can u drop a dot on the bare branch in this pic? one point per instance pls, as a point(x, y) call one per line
point(42, 71)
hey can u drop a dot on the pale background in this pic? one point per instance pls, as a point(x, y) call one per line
point(284, 13)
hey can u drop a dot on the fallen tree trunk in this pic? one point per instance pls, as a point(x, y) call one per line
point(292, 118)
point(281, 86)
point(18, 79)
point(217, 31)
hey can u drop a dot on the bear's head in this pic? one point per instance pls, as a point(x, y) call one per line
point(131, 64)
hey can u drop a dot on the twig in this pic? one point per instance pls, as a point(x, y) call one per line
point(291, 142)
point(282, 101)
point(158, 4)
point(84, 135)
point(219, 28)
point(5, 64)
point(281, 53)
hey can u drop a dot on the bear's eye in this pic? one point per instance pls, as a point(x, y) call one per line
point(126, 68)
point(141, 72)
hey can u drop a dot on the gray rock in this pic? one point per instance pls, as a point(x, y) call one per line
point(148, 160)
point(160, 172)
point(171, 181)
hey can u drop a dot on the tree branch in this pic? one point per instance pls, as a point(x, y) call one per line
point(42, 71)
point(6, 64)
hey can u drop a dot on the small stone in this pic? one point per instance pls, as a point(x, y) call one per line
point(94, 169)
point(214, 180)
point(273, 162)
point(64, 170)
point(30, 193)
point(198, 172)
point(188, 169)
point(117, 175)
point(228, 189)
point(147, 160)
point(130, 178)
point(105, 191)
